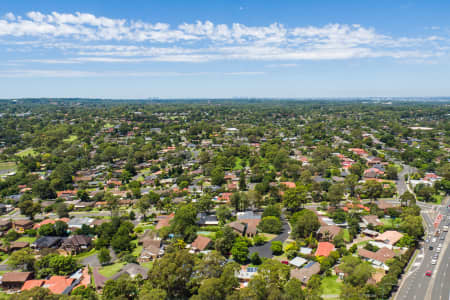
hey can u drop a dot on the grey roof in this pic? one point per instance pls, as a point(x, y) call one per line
point(133, 270)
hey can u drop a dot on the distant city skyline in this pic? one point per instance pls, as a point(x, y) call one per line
point(224, 49)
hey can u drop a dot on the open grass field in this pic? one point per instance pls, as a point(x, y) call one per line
point(330, 285)
point(27, 152)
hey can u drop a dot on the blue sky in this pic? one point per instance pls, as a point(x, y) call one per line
point(141, 49)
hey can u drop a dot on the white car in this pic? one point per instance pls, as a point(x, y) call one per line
point(433, 240)
point(438, 250)
point(433, 261)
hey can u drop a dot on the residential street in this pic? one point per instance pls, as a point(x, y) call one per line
point(264, 250)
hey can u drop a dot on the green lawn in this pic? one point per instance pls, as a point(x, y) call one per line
point(70, 139)
point(110, 270)
point(346, 235)
point(108, 125)
point(26, 152)
point(238, 164)
point(438, 199)
point(86, 254)
point(330, 285)
point(147, 265)
point(137, 251)
point(29, 239)
point(8, 165)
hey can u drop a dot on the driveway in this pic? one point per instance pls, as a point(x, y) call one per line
point(264, 250)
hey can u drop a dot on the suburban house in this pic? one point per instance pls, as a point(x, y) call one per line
point(164, 220)
point(328, 232)
point(14, 246)
point(56, 284)
point(389, 237)
point(14, 280)
point(305, 273)
point(201, 243)
point(377, 258)
point(5, 225)
point(245, 274)
point(47, 242)
point(298, 262)
point(151, 249)
point(204, 219)
point(372, 220)
point(22, 225)
point(76, 244)
point(77, 223)
point(133, 270)
point(324, 249)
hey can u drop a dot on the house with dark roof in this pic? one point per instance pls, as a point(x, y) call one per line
point(76, 244)
point(47, 242)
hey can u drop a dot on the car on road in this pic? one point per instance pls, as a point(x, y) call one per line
point(428, 273)
point(438, 250)
point(427, 241)
point(433, 240)
point(431, 247)
point(435, 256)
point(440, 245)
point(433, 261)
point(442, 237)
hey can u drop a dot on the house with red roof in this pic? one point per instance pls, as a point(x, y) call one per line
point(288, 184)
point(324, 249)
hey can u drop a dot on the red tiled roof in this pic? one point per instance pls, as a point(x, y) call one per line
point(324, 249)
point(57, 284)
point(29, 284)
point(201, 243)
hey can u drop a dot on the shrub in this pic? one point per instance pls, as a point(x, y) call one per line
point(277, 248)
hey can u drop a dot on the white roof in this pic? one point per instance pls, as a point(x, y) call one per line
point(298, 262)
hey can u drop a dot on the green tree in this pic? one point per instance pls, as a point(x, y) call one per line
point(61, 210)
point(240, 250)
point(335, 194)
point(122, 288)
point(293, 199)
point(223, 213)
point(29, 208)
point(225, 242)
point(372, 189)
point(406, 198)
point(276, 248)
point(270, 225)
point(22, 259)
point(173, 274)
point(304, 223)
point(185, 222)
point(272, 210)
point(103, 256)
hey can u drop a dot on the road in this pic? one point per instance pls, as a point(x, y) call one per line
point(402, 185)
point(264, 250)
point(415, 284)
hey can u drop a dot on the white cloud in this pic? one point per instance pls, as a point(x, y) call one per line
point(22, 73)
point(83, 37)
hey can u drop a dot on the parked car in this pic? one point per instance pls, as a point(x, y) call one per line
point(438, 250)
point(285, 262)
point(433, 261)
point(433, 240)
point(431, 247)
